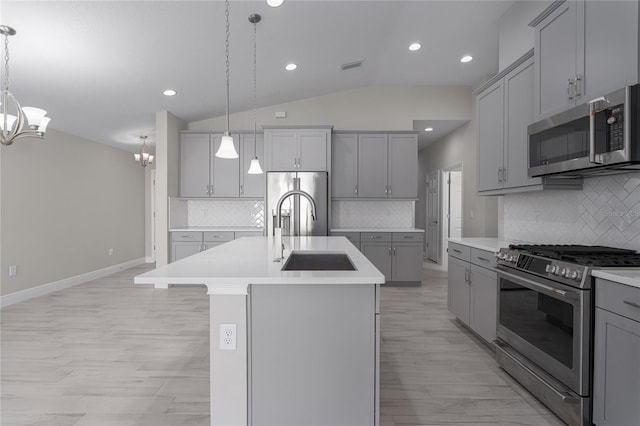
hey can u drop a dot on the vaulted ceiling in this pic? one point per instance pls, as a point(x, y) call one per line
point(100, 67)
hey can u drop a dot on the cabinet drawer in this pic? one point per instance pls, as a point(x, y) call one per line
point(375, 236)
point(460, 251)
point(240, 234)
point(483, 258)
point(618, 298)
point(354, 237)
point(407, 237)
point(218, 236)
point(186, 236)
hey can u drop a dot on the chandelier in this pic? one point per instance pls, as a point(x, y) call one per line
point(27, 121)
point(144, 158)
point(254, 167)
point(227, 150)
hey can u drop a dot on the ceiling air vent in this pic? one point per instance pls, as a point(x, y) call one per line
point(351, 65)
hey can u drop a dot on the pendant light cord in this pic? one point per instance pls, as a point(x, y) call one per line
point(226, 45)
point(255, 137)
point(6, 62)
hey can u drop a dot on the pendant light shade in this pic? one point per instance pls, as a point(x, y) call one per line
point(254, 167)
point(227, 150)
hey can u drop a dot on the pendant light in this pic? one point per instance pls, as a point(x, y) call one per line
point(144, 158)
point(28, 121)
point(254, 167)
point(227, 150)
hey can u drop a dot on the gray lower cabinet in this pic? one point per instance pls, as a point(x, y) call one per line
point(616, 388)
point(313, 355)
point(353, 237)
point(188, 243)
point(397, 255)
point(182, 249)
point(473, 289)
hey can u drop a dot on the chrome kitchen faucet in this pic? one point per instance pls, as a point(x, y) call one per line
point(278, 228)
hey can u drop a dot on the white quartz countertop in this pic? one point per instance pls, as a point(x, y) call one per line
point(250, 261)
point(488, 244)
point(376, 230)
point(628, 276)
point(216, 229)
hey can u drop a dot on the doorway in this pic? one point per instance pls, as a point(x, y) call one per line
point(433, 217)
point(451, 207)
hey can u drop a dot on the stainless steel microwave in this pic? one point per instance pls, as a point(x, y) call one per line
point(600, 137)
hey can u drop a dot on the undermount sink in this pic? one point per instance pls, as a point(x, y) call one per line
point(318, 261)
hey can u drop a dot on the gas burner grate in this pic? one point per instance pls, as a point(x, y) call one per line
point(599, 256)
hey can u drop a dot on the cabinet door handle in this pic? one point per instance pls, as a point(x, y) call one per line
point(394, 251)
point(569, 87)
point(504, 174)
point(466, 275)
point(207, 190)
point(457, 251)
point(375, 237)
point(483, 259)
point(389, 189)
point(241, 189)
point(186, 236)
point(408, 237)
point(356, 190)
point(630, 303)
point(578, 90)
point(499, 175)
point(389, 251)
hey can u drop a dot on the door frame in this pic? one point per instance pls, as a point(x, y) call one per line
point(445, 204)
point(438, 178)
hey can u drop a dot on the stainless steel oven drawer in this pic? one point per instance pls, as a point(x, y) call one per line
point(618, 298)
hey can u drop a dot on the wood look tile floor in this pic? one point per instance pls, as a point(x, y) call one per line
point(108, 353)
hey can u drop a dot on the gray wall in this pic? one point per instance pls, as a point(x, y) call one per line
point(65, 201)
point(480, 214)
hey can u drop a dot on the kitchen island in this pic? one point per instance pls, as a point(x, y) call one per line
point(306, 341)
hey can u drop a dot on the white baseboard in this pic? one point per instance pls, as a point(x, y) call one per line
point(149, 259)
point(41, 290)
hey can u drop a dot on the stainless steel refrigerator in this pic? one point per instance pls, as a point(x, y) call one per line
point(296, 210)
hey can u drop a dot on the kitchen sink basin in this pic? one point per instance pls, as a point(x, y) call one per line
point(314, 261)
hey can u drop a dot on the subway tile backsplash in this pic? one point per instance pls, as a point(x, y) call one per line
point(372, 214)
point(225, 213)
point(606, 212)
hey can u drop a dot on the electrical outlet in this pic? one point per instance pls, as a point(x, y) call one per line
point(110, 252)
point(228, 337)
point(13, 270)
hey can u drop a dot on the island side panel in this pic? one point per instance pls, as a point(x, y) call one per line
point(313, 354)
point(228, 367)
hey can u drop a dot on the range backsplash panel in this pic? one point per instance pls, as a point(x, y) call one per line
point(225, 213)
point(372, 214)
point(606, 212)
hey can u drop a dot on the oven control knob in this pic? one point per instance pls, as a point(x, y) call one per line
point(561, 271)
point(510, 258)
point(549, 268)
point(572, 274)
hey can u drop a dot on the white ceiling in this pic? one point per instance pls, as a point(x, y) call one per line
point(99, 67)
point(441, 128)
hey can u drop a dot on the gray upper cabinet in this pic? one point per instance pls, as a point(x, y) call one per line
point(344, 165)
point(610, 46)
point(225, 172)
point(584, 49)
point(504, 111)
point(195, 180)
point(299, 150)
point(387, 166)
point(559, 79)
point(403, 166)
point(372, 165)
point(490, 137)
point(203, 175)
point(251, 186)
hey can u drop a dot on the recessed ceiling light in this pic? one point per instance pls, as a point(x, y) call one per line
point(466, 59)
point(275, 3)
point(169, 92)
point(429, 129)
point(290, 67)
point(415, 46)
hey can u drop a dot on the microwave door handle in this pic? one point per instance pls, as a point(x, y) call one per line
point(593, 111)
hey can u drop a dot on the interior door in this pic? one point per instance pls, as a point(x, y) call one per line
point(433, 215)
point(455, 203)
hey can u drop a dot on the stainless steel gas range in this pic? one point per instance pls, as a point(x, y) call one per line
point(545, 321)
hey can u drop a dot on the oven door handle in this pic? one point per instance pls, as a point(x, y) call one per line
point(593, 111)
point(543, 288)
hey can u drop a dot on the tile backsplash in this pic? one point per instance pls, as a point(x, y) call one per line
point(606, 212)
point(225, 213)
point(372, 214)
